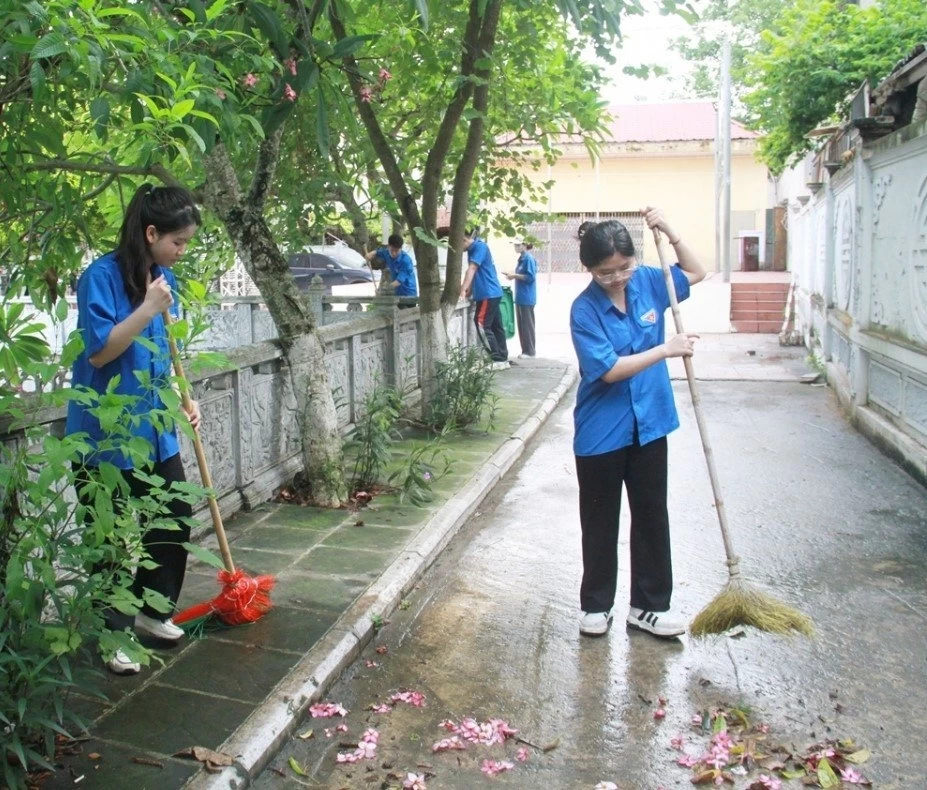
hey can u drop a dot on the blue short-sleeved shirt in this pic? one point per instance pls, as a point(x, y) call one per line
point(401, 270)
point(605, 414)
point(102, 303)
point(526, 290)
point(485, 282)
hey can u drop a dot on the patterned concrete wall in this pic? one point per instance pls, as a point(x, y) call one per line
point(249, 432)
point(858, 251)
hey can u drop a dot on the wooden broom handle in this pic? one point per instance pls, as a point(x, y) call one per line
point(732, 558)
point(200, 453)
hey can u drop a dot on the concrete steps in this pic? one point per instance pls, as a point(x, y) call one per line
point(757, 307)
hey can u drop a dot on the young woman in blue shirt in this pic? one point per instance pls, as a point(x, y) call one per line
point(525, 276)
point(624, 411)
point(121, 298)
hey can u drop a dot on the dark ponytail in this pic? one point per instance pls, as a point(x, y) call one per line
point(169, 209)
point(598, 241)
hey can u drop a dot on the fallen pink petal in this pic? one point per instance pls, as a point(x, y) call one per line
point(659, 713)
point(370, 664)
point(325, 710)
point(414, 782)
point(371, 736)
point(414, 698)
point(341, 728)
point(384, 708)
point(687, 760)
point(496, 767)
point(449, 744)
point(678, 741)
point(522, 755)
point(851, 775)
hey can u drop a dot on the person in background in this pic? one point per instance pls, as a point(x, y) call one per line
point(121, 298)
point(482, 285)
point(624, 411)
point(397, 267)
point(526, 297)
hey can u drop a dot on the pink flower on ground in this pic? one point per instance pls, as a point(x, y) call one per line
point(414, 782)
point(659, 713)
point(370, 736)
point(851, 775)
point(495, 767)
point(347, 757)
point(522, 755)
point(606, 786)
point(414, 698)
point(765, 782)
point(449, 744)
point(289, 93)
point(370, 664)
point(697, 719)
point(329, 731)
point(722, 739)
point(249, 80)
point(385, 75)
point(366, 94)
point(385, 708)
point(366, 750)
point(678, 741)
point(325, 710)
point(687, 761)
point(290, 63)
point(341, 728)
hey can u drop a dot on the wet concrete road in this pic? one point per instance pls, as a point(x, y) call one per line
point(820, 518)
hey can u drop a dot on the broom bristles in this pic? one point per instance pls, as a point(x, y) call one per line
point(742, 604)
point(243, 599)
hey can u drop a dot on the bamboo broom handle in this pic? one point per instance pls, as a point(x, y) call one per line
point(200, 453)
point(733, 560)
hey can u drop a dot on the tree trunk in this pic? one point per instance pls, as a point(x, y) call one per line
point(301, 344)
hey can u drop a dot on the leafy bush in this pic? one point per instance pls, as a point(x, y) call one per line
point(421, 469)
point(463, 391)
point(373, 434)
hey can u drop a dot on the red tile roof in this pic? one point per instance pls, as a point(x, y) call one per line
point(661, 122)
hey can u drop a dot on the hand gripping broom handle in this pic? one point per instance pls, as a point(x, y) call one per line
point(200, 454)
point(733, 560)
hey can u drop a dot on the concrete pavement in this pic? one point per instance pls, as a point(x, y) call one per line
point(242, 691)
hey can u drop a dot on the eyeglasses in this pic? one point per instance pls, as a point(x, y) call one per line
point(617, 275)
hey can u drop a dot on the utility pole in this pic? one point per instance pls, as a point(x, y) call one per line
point(725, 115)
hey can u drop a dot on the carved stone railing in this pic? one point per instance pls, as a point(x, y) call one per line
point(249, 425)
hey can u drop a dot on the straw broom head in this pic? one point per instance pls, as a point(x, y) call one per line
point(740, 603)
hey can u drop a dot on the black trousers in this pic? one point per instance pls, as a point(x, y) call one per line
point(164, 546)
point(524, 318)
point(643, 470)
point(489, 329)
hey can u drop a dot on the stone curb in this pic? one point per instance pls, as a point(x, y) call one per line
point(274, 720)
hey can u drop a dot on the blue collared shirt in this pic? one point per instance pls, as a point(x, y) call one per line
point(102, 302)
point(401, 270)
point(526, 290)
point(485, 283)
point(606, 414)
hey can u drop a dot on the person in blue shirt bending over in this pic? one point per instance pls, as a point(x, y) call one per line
point(624, 411)
point(398, 266)
point(121, 298)
point(526, 296)
point(482, 285)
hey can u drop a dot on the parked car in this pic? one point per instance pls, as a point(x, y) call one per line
point(306, 265)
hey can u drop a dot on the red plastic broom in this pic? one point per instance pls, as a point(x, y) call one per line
point(243, 598)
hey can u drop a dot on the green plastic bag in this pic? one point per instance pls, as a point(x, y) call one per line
point(507, 308)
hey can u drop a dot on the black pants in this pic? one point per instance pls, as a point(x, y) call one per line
point(489, 329)
point(164, 546)
point(524, 316)
point(643, 470)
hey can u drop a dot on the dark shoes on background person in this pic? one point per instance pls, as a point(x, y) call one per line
point(661, 624)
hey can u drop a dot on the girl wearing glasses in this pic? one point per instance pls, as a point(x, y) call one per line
point(624, 411)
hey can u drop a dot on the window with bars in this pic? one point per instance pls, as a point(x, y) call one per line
point(557, 248)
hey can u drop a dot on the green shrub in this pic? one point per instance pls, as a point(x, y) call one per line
point(463, 391)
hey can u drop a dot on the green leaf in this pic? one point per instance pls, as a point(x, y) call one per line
point(49, 46)
point(204, 555)
point(270, 24)
point(348, 46)
point(858, 757)
point(296, 768)
point(321, 125)
point(826, 775)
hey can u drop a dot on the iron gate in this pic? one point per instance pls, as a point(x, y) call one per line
point(557, 248)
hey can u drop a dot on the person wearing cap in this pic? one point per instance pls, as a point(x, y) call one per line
point(526, 296)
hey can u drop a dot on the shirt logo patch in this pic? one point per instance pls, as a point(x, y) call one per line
point(650, 317)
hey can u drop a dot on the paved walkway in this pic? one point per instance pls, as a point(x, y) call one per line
point(241, 690)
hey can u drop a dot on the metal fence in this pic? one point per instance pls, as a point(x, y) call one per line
point(557, 248)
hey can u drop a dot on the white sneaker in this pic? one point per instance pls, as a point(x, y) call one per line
point(503, 365)
point(657, 623)
point(157, 628)
point(121, 664)
point(595, 623)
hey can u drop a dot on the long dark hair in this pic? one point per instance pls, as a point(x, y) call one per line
point(598, 241)
point(169, 209)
